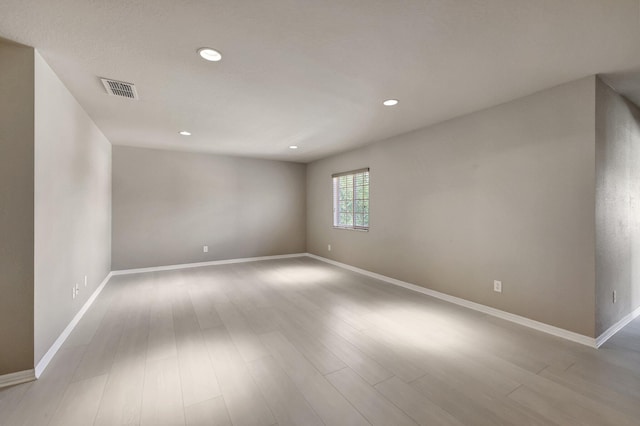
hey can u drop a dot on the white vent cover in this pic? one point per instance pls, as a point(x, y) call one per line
point(120, 88)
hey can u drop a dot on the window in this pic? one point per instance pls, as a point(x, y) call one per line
point(351, 199)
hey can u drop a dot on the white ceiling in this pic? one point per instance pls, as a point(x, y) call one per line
point(314, 73)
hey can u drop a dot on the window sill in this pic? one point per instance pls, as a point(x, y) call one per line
point(351, 229)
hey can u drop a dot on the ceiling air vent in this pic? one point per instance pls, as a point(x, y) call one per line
point(120, 88)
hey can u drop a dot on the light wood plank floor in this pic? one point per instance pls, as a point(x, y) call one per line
point(297, 341)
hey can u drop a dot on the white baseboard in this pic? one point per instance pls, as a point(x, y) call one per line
point(200, 264)
point(536, 325)
point(46, 359)
point(28, 375)
point(608, 334)
point(17, 378)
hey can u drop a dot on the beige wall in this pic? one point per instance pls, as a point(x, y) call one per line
point(617, 208)
point(167, 205)
point(72, 206)
point(506, 193)
point(16, 208)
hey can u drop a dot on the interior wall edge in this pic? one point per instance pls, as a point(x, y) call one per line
point(16, 207)
point(611, 331)
point(617, 222)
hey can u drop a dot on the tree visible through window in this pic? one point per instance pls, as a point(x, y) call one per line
point(351, 199)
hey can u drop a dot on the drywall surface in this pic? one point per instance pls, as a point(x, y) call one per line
point(617, 208)
point(16, 208)
point(72, 206)
point(167, 205)
point(503, 194)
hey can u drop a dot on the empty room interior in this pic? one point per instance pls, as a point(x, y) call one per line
point(298, 212)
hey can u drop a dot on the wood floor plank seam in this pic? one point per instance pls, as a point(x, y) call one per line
point(514, 390)
point(95, 417)
point(350, 403)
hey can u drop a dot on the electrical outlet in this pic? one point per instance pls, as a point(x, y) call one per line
point(497, 286)
point(205, 249)
point(85, 280)
point(329, 247)
point(615, 296)
point(73, 292)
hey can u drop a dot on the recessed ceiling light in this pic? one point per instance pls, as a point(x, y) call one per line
point(185, 133)
point(293, 146)
point(390, 102)
point(209, 54)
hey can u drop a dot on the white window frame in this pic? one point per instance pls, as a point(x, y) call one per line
point(351, 182)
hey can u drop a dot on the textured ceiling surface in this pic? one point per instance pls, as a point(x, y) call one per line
point(314, 73)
